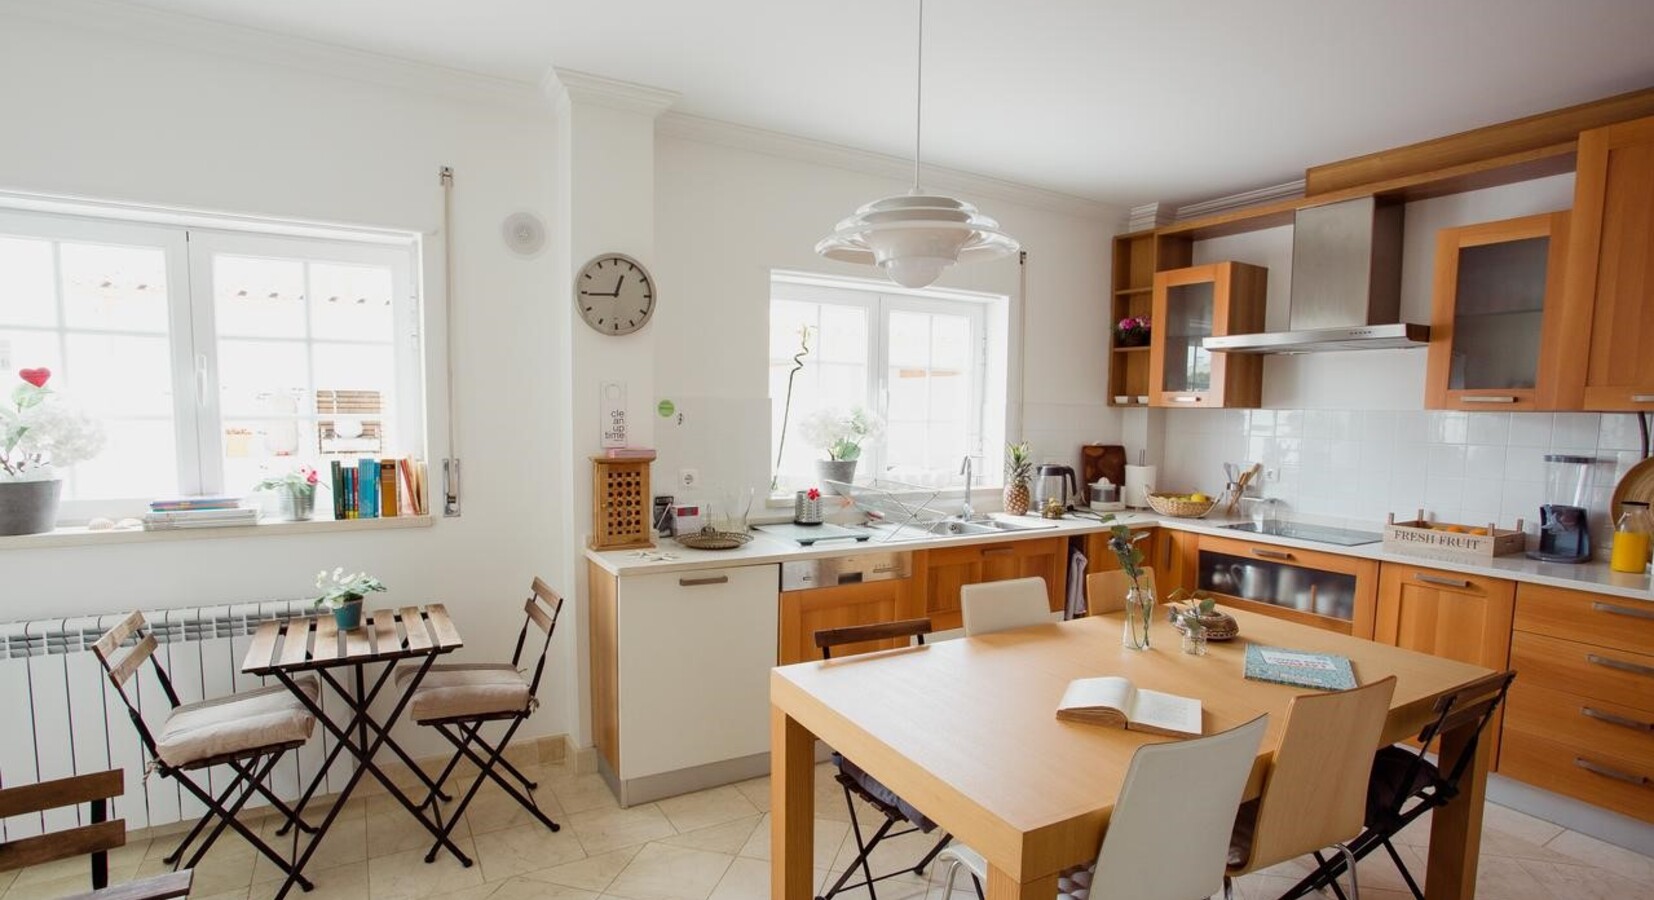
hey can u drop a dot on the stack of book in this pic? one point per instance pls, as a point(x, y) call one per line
point(198, 512)
point(378, 488)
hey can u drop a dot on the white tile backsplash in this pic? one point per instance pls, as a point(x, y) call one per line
point(1360, 465)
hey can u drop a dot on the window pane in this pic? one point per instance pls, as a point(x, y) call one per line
point(931, 404)
point(262, 377)
point(140, 460)
point(909, 339)
point(119, 375)
point(834, 374)
point(350, 303)
point(28, 350)
point(115, 288)
point(257, 448)
point(254, 297)
point(27, 296)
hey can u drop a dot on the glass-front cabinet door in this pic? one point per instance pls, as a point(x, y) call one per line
point(1196, 303)
point(1496, 315)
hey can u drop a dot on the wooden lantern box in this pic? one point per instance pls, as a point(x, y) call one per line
point(622, 508)
point(1469, 541)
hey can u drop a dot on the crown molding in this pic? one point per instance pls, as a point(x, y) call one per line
point(1244, 199)
point(597, 90)
point(131, 22)
point(787, 146)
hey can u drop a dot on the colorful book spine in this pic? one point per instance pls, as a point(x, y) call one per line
point(338, 491)
point(350, 492)
point(387, 490)
point(368, 489)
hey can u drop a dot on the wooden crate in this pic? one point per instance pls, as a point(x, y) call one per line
point(1418, 536)
point(622, 510)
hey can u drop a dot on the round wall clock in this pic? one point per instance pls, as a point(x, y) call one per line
point(614, 294)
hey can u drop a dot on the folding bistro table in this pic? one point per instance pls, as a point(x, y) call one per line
point(285, 648)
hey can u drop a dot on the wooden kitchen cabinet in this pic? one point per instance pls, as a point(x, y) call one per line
point(803, 613)
point(1609, 288)
point(1199, 302)
point(1137, 257)
point(1496, 333)
point(1446, 614)
point(940, 573)
point(1311, 587)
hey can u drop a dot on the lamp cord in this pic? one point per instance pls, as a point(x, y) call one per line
point(919, 98)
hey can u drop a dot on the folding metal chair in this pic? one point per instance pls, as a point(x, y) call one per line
point(858, 783)
point(458, 699)
point(248, 732)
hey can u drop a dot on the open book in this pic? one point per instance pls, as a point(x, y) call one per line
point(1115, 701)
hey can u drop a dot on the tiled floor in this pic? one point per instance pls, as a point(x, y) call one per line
point(714, 845)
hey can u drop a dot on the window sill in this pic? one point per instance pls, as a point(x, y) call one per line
point(81, 537)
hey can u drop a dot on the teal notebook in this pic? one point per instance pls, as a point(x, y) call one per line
point(1300, 668)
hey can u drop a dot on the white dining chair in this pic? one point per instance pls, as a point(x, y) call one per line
point(1002, 605)
point(1147, 854)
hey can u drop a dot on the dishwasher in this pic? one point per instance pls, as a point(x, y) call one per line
point(837, 591)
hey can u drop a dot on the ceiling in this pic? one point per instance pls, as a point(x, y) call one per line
point(1123, 101)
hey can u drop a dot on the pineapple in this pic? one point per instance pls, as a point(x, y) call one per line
point(1019, 465)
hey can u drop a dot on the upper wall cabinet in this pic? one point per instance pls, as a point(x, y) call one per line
point(1199, 302)
point(1495, 326)
point(1610, 281)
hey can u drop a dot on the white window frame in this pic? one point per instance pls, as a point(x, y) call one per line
point(188, 247)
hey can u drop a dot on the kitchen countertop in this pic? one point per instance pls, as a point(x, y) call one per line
point(1596, 577)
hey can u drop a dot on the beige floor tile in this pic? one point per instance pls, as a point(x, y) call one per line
point(392, 829)
point(594, 873)
point(406, 875)
point(729, 837)
point(602, 830)
point(746, 879)
point(703, 809)
point(1604, 855)
point(1575, 882)
point(348, 881)
point(346, 843)
point(757, 792)
point(659, 872)
point(519, 889)
point(524, 848)
point(228, 895)
point(582, 793)
point(830, 835)
point(217, 874)
point(493, 809)
point(1518, 824)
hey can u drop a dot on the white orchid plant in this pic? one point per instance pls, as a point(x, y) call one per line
point(39, 434)
point(841, 433)
point(339, 587)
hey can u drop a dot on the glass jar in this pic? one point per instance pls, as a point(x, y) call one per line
point(1139, 610)
point(1194, 636)
point(1631, 538)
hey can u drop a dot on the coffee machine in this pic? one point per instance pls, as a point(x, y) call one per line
point(1564, 527)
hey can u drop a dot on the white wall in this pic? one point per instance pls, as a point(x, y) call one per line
point(113, 117)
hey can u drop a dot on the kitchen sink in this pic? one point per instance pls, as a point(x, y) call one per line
point(916, 531)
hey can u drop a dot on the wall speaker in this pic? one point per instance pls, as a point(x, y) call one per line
point(524, 233)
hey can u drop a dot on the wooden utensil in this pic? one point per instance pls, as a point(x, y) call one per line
point(1240, 487)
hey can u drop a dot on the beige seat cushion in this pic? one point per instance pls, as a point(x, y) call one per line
point(460, 691)
point(267, 717)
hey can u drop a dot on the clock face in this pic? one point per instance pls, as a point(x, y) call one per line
point(615, 294)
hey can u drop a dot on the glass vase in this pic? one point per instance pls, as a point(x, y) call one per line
point(1194, 637)
point(1139, 610)
point(296, 505)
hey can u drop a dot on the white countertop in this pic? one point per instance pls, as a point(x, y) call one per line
point(671, 557)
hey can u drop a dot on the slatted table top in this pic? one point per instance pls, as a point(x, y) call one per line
point(314, 642)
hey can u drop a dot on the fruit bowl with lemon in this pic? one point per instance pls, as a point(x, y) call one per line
point(1192, 505)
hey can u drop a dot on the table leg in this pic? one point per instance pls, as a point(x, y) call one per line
point(1003, 885)
point(1456, 828)
point(792, 808)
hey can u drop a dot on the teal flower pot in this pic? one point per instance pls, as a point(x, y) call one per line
point(348, 616)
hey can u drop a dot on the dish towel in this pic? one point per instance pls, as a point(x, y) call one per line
point(1077, 563)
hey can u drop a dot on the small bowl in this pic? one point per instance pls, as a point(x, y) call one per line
point(1122, 400)
point(1143, 399)
point(1173, 505)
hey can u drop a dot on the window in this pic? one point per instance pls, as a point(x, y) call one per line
point(920, 359)
point(213, 358)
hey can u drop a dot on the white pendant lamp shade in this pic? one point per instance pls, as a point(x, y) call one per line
point(913, 237)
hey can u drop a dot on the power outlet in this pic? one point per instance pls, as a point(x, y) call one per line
point(1271, 474)
point(689, 478)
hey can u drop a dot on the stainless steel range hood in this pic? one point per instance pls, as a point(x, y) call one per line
point(1346, 285)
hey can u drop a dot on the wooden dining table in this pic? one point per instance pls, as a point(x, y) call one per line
point(966, 731)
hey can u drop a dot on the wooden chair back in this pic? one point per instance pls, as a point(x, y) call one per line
point(1316, 791)
point(828, 638)
point(1105, 592)
point(98, 838)
point(1002, 605)
point(541, 610)
point(1148, 853)
point(121, 666)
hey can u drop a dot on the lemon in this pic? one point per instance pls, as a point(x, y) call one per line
point(1198, 497)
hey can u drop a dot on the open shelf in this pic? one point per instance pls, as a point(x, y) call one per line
point(1142, 349)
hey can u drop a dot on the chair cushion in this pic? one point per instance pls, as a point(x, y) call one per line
point(1240, 840)
point(466, 690)
point(225, 726)
point(1390, 785)
point(876, 793)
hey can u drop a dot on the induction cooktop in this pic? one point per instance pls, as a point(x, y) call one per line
point(1322, 534)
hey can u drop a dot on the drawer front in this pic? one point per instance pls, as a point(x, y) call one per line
point(1597, 673)
point(1583, 772)
point(1621, 731)
point(1579, 616)
point(1291, 556)
point(1444, 581)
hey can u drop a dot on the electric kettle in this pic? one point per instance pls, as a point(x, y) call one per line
point(1052, 480)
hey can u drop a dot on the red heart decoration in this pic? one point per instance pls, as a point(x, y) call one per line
point(36, 377)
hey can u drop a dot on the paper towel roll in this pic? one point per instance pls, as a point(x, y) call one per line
point(1139, 482)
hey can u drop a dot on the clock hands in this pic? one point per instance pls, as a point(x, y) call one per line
point(619, 283)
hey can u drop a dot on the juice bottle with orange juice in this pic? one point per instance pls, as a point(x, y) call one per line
point(1630, 551)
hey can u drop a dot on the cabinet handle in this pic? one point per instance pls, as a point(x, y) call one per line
point(1613, 609)
point(1620, 664)
point(1642, 398)
point(999, 551)
point(1487, 398)
point(1185, 399)
point(698, 582)
point(1271, 554)
point(1600, 769)
point(1442, 581)
point(1612, 719)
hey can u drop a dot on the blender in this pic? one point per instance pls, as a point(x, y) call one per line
point(1564, 532)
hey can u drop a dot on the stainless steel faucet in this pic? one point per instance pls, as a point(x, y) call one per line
point(965, 511)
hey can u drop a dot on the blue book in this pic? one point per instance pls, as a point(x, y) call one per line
point(368, 491)
point(1300, 668)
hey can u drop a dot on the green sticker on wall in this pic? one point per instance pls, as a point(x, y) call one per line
point(665, 409)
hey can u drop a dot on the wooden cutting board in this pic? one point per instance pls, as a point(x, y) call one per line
point(1102, 461)
point(1638, 484)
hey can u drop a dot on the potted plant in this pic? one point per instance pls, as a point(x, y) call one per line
point(1199, 620)
point(1132, 331)
point(296, 492)
point(39, 437)
point(840, 434)
point(1139, 599)
point(1019, 466)
point(343, 594)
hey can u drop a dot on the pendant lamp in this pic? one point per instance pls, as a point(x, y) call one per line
point(912, 237)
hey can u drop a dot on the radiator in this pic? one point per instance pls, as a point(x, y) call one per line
point(62, 717)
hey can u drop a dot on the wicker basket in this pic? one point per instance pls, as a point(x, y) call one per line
point(1173, 505)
